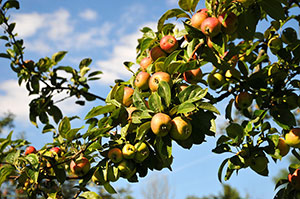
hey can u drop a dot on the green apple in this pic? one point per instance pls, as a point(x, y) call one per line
point(259, 164)
point(181, 128)
point(161, 124)
point(142, 152)
point(115, 154)
point(235, 130)
point(128, 151)
point(215, 80)
point(127, 168)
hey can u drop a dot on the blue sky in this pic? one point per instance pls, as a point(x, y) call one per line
point(107, 32)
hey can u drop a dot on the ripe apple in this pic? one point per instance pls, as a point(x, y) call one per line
point(289, 35)
point(156, 78)
point(182, 86)
point(168, 43)
point(198, 18)
point(30, 149)
point(115, 154)
point(193, 76)
point(156, 52)
point(211, 26)
point(142, 152)
point(145, 62)
point(161, 124)
point(128, 151)
point(142, 80)
point(113, 174)
point(127, 168)
point(127, 97)
point(56, 150)
point(259, 163)
point(215, 80)
point(292, 138)
point(294, 179)
point(80, 166)
point(130, 110)
point(181, 128)
point(232, 75)
point(98, 177)
point(243, 100)
point(283, 147)
point(229, 22)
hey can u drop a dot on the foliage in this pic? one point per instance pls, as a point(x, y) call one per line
point(263, 88)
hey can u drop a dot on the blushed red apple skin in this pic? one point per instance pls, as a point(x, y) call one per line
point(229, 22)
point(198, 18)
point(158, 77)
point(145, 62)
point(168, 43)
point(211, 26)
point(193, 76)
point(161, 124)
point(80, 166)
point(156, 52)
point(142, 80)
point(30, 149)
point(127, 97)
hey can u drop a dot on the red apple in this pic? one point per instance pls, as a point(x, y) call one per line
point(199, 17)
point(294, 179)
point(145, 62)
point(156, 52)
point(127, 97)
point(161, 124)
point(158, 77)
point(229, 22)
point(80, 166)
point(193, 76)
point(142, 80)
point(211, 26)
point(168, 43)
point(55, 149)
point(29, 150)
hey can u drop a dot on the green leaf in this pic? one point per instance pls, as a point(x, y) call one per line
point(207, 106)
point(64, 126)
point(193, 32)
point(85, 63)
point(186, 107)
point(90, 195)
point(172, 57)
point(109, 188)
point(12, 157)
point(192, 93)
point(283, 117)
point(138, 100)
point(178, 13)
point(142, 130)
point(128, 65)
point(228, 110)
point(273, 8)
point(247, 23)
point(5, 171)
point(4, 55)
point(155, 103)
point(99, 110)
point(71, 133)
point(60, 174)
point(56, 57)
point(164, 92)
point(221, 169)
point(56, 113)
point(11, 4)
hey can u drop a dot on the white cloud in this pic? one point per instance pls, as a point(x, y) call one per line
point(88, 14)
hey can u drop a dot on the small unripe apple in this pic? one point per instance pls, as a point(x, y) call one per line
point(211, 26)
point(145, 62)
point(294, 179)
point(29, 150)
point(215, 80)
point(156, 52)
point(283, 147)
point(259, 164)
point(168, 43)
point(181, 128)
point(161, 124)
point(142, 80)
point(142, 152)
point(128, 151)
point(115, 154)
point(198, 18)
point(158, 77)
point(229, 22)
point(243, 100)
point(193, 76)
point(80, 166)
point(127, 97)
point(292, 138)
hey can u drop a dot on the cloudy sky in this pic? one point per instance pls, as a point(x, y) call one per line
point(107, 32)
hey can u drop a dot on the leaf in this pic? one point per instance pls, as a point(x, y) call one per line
point(178, 13)
point(273, 8)
point(99, 110)
point(142, 130)
point(109, 188)
point(11, 4)
point(90, 195)
point(138, 101)
point(221, 169)
point(193, 32)
point(60, 174)
point(186, 107)
point(164, 92)
point(228, 110)
point(247, 23)
point(172, 57)
point(64, 126)
point(71, 133)
point(207, 106)
point(85, 63)
point(192, 93)
point(185, 5)
point(283, 117)
point(56, 57)
point(5, 171)
point(56, 113)
point(155, 103)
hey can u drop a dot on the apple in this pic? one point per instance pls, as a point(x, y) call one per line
point(198, 18)
point(56, 150)
point(98, 177)
point(130, 111)
point(211, 26)
point(259, 164)
point(292, 138)
point(113, 174)
point(182, 86)
point(215, 80)
point(193, 76)
point(229, 22)
point(289, 35)
point(80, 166)
point(142, 80)
point(127, 97)
point(156, 52)
point(145, 62)
point(142, 152)
point(235, 130)
point(128, 151)
point(283, 147)
point(181, 128)
point(115, 154)
point(168, 43)
point(127, 168)
point(294, 179)
point(243, 100)
point(30, 149)
point(232, 75)
point(161, 124)
point(156, 78)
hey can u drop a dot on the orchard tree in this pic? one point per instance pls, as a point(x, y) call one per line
point(218, 56)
